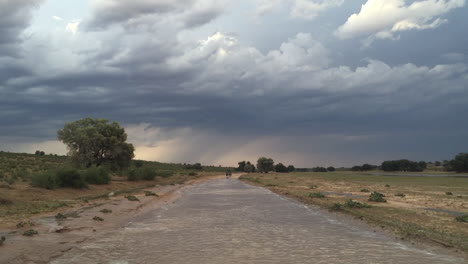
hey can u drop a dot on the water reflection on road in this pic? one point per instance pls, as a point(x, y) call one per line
point(226, 221)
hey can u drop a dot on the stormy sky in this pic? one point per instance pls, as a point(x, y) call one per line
point(306, 82)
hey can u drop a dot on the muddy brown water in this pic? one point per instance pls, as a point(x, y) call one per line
point(227, 221)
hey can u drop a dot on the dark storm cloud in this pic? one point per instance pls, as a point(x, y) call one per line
point(223, 93)
point(132, 14)
point(15, 16)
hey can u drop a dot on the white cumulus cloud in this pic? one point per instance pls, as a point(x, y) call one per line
point(385, 18)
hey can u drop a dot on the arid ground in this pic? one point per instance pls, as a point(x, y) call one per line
point(209, 220)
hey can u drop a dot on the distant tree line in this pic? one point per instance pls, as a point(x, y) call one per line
point(458, 164)
point(264, 165)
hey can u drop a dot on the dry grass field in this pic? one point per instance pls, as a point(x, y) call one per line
point(421, 208)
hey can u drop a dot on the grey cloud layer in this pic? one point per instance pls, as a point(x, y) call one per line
point(136, 67)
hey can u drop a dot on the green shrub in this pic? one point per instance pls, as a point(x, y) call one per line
point(462, 218)
point(70, 178)
point(97, 218)
point(353, 204)
point(336, 207)
point(45, 180)
point(96, 176)
point(60, 216)
point(30, 232)
point(377, 197)
point(387, 185)
point(316, 195)
point(132, 198)
point(149, 193)
point(138, 163)
point(167, 174)
point(143, 173)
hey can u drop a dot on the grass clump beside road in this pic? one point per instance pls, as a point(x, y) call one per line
point(377, 197)
point(408, 217)
point(462, 218)
point(30, 233)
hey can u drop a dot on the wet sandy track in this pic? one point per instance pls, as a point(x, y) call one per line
point(226, 221)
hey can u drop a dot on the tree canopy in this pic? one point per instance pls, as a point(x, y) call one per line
point(96, 142)
point(265, 164)
point(460, 163)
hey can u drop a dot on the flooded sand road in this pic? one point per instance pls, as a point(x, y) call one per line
point(227, 221)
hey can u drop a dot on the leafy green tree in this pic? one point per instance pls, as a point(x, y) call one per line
point(97, 142)
point(460, 163)
point(291, 168)
point(331, 169)
point(281, 168)
point(264, 165)
point(249, 167)
point(241, 166)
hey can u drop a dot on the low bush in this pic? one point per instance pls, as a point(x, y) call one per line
point(462, 218)
point(313, 186)
point(449, 193)
point(316, 195)
point(377, 197)
point(97, 218)
point(365, 190)
point(336, 207)
point(106, 211)
point(400, 195)
point(70, 178)
point(387, 185)
point(149, 193)
point(143, 173)
point(132, 198)
point(353, 204)
point(193, 174)
point(45, 180)
point(60, 216)
point(167, 174)
point(30, 232)
point(2, 240)
point(96, 176)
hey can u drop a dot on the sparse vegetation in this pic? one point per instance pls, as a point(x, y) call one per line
point(132, 198)
point(30, 233)
point(400, 195)
point(449, 193)
point(462, 218)
point(365, 190)
point(97, 218)
point(336, 207)
point(60, 216)
point(106, 211)
point(405, 217)
point(377, 197)
point(354, 204)
point(2, 240)
point(149, 193)
point(316, 195)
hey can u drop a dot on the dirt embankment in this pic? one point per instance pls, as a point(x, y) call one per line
point(81, 222)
